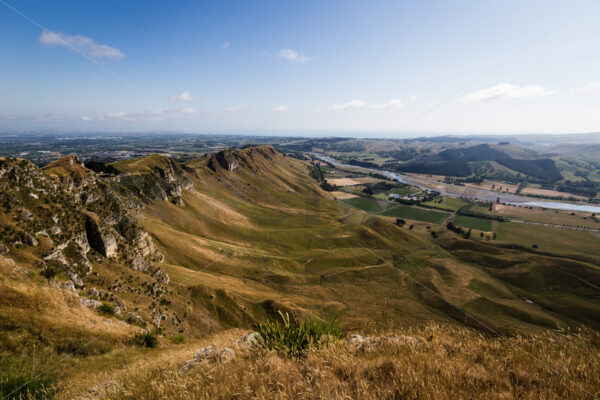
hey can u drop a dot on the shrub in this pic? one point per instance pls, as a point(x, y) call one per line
point(106, 309)
point(293, 338)
point(148, 338)
point(49, 272)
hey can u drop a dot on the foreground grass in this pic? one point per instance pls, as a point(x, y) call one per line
point(436, 362)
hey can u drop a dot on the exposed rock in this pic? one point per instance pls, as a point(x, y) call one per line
point(209, 354)
point(89, 303)
point(135, 318)
point(161, 275)
point(3, 248)
point(55, 230)
point(69, 285)
point(226, 159)
point(178, 201)
point(139, 263)
point(157, 317)
point(144, 244)
point(75, 279)
point(99, 239)
point(28, 215)
point(368, 344)
point(31, 241)
point(58, 256)
point(82, 242)
point(359, 343)
point(249, 339)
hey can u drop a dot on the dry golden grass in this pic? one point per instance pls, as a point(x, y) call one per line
point(442, 362)
point(548, 192)
point(343, 195)
point(343, 182)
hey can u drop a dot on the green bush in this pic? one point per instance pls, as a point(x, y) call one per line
point(49, 272)
point(106, 309)
point(147, 338)
point(293, 338)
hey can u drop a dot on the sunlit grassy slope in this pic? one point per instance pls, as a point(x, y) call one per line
point(265, 237)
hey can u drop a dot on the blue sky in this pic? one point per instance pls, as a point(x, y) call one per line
point(381, 68)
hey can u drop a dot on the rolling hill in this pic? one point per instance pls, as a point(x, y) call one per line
point(228, 240)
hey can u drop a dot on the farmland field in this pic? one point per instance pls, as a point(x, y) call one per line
point(367, 204)
point(448, 203)
point(547, 216)
point(481, 224)
point(419, 214)
point(552, 240)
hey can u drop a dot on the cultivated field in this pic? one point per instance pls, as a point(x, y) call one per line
point(551, 240)
point(480, 224)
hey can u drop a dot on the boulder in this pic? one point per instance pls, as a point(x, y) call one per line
point(31, 241)
point(89, 303)
point(69, 285)
point(359, 343)
point(249, 339)
point(3, 248)
point(209, 354)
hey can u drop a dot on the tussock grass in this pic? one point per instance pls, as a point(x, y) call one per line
point(148, 338)
point(439, 362)
point(294, 338)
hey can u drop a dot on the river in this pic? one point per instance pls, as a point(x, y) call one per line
point(464, 191)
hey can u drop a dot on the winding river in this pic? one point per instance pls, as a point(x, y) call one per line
point(464, 191)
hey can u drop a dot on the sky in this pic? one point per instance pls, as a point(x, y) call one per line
point(366, 68)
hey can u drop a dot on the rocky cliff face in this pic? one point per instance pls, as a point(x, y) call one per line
point(225, 159)
point(65, 217)
point(165, 182)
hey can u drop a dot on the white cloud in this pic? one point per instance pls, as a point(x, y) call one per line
point(352, 104)
point(183, 97)
point(281, 108)
point(507, 91)
point(131, 116)
point(156, 115)
point(85, 118)
point(80, 43)
point(395, 104)
point(293, 56)
point(226, 45)
point(235, 108)
point(591, 87)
